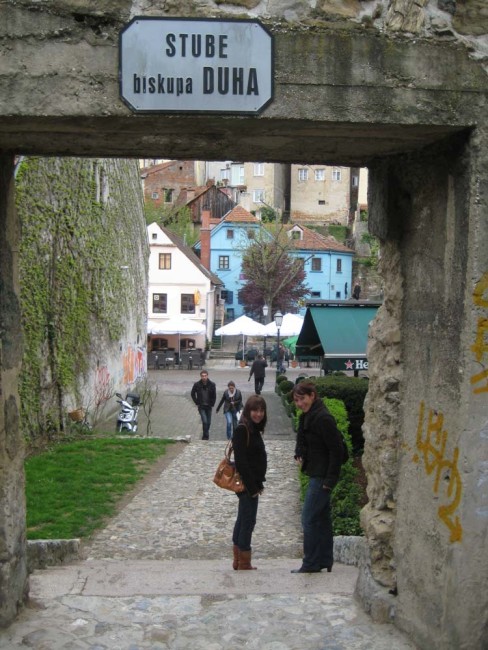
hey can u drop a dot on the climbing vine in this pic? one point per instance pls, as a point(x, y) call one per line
point(83, 270)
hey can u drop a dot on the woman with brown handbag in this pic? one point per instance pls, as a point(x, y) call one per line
point(251, 463)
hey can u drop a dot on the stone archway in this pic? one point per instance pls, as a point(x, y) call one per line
point(414, 112)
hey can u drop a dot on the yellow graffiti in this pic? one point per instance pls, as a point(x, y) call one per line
point(479, 291)
point(432, 448)
point(480, 345)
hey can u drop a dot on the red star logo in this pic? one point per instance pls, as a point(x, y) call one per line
point(349, 365)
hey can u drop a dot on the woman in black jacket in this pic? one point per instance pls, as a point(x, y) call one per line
point(320, 452)
point(232, 401)
point(251, 463)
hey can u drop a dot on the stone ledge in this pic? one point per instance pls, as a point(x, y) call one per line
point(42, 553)
point(350, 549)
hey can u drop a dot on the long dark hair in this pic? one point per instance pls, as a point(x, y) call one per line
point(305, 388)
point(254, 403)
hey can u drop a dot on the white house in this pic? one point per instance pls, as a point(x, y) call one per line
point(179, 286)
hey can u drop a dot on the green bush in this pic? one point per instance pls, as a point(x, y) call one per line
point(352, 391)
point(286, 386)
point(347, 493)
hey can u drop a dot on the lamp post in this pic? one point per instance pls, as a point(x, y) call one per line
point(265, 314)
point(278, 319)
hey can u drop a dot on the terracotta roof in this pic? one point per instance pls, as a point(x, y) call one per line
point(156, 168)
point(239, 214)
point(313, 240)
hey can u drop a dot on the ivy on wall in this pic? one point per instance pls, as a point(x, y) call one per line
point(83, 270)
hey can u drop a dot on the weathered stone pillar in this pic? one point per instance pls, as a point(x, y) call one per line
point(13, 562)
point(426, 416)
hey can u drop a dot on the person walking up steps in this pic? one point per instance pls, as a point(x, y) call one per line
point(232, 401)
point(259, 372)
point(204, 394)
point(251, 463)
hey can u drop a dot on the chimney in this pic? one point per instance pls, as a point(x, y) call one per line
point(205, 239)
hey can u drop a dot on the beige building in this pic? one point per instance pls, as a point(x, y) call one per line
point(322, 194)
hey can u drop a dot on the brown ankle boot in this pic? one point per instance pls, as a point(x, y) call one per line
point(245, 561)
point(235, 562)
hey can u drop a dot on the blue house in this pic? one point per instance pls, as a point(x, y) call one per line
point(328, 264)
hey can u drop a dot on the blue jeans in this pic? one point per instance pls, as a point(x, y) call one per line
point(206, 417)
point(245, 522)
point(231, 419)
point(318, 541)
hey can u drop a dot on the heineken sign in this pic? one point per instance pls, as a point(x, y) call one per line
point(345, 363)
point(189, 65)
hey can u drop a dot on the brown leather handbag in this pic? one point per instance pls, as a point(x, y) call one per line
point(227, 477)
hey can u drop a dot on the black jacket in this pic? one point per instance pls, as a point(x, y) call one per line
point(250, 456)
point(258, 368)
point(196, 393)
point(320, 444)
point(230, 403)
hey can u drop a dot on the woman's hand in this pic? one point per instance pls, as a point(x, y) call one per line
point(299, 460)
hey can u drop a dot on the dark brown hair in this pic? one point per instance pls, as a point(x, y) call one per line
point(254, 403)
point(304, 388)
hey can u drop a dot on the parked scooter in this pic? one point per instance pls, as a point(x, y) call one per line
point(129, 409)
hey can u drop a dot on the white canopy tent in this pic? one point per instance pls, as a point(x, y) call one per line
point(242, 325)
point(291, 326)
point(175, 326)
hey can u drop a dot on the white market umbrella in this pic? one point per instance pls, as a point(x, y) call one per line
point(242, 325)
point(175, 326)
point(291, 326)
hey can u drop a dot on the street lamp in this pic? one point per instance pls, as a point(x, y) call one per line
point(278, 319)
point(265, 314)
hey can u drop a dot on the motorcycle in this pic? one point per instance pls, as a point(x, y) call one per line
point(129, 409)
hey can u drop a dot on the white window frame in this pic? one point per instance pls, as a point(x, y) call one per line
point(319, 174)
point(336, 174)
point(302, 174)
point(258, 196)
point(155, 195)
point(258, 169)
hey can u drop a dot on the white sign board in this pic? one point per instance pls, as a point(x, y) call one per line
point(196, 66)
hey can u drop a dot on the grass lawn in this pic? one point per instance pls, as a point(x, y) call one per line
point(72, 488)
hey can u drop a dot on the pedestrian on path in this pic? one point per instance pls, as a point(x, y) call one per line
point(251, 463)
point(259, 372)
point(232, 401)
point(319, 451)
point(204, 394)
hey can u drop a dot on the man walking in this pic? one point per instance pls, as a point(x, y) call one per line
point(204, 395)
point(259, 372)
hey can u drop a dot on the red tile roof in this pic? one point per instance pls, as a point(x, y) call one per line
point(239, 214)
point(313, 240)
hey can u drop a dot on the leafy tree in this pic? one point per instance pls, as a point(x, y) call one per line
point(273, 276)
point(268, 215)
point(176, 219)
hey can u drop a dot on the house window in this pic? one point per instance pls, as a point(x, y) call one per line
point(339, 266)
point(258, 196)
point(165, 261)
point(225, 174)
point(355, 181)
point(258, 169)
point(168, 195)
point(320, 174)
point(251, 234)
point(336, 174)
point(154, 235)
point(296, 234)
point(223, 261)
point(302, 174)
point(316, 264)
point(321, 201)
point(315, 294)
point(160, 303)
point(187, 303)
point(229, 298)
point(155, 195)
point(230, 233)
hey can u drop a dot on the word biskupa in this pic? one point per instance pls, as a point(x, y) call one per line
point(224, 80)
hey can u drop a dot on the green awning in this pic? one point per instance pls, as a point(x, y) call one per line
point(339, 333)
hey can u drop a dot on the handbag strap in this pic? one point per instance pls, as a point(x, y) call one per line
point(230, 449)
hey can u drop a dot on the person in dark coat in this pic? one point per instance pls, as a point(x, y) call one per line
point(232, 401)
point(258, 370)
point(251, 463)
point(319, 451)
point(204, 395)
